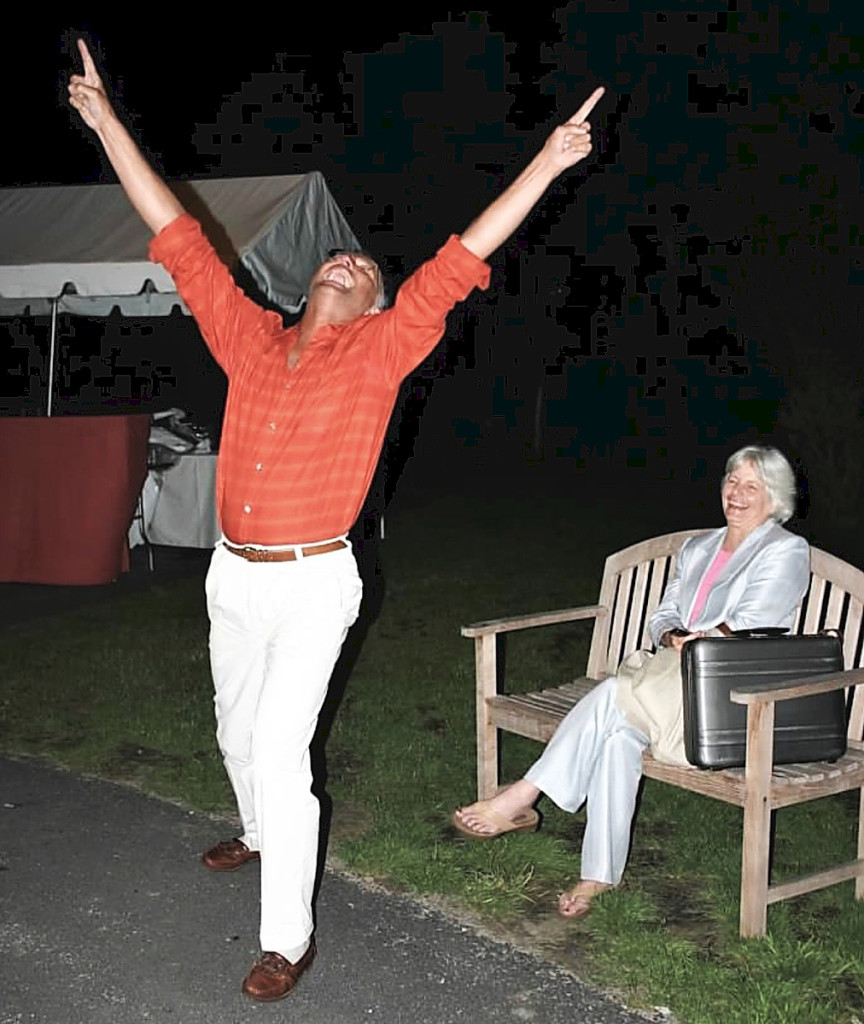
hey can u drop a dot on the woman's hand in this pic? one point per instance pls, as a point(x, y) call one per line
point(677, 638)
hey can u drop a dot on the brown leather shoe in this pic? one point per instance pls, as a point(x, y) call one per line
point(272, 977)
point(228, 855)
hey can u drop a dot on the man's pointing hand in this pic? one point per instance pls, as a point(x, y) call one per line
point(87, 94)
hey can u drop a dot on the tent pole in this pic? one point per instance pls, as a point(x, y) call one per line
point(52, 353)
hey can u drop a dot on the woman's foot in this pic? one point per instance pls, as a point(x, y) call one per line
point(511, 810)
point(576, 902)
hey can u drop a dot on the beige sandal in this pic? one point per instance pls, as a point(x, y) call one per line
point(525, 822)
point(576, 902)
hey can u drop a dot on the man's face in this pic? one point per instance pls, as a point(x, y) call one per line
point(353, 278)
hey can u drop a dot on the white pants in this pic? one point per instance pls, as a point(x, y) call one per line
point(595, 758)
point(276, 629)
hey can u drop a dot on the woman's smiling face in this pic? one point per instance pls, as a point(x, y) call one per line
point(746, 502)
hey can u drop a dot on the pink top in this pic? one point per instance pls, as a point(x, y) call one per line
point(714, 570)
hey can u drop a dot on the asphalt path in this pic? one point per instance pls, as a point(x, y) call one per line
point(107, 915)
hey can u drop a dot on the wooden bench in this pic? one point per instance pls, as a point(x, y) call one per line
point(633, 582)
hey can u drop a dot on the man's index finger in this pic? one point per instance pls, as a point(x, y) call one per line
point(587, 106)
point(89, 66)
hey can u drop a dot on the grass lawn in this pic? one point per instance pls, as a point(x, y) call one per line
point(122, 690)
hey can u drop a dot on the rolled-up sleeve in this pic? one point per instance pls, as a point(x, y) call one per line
point(418, 318)
point(228, 319)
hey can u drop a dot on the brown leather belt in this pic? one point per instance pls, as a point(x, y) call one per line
point(288, 555)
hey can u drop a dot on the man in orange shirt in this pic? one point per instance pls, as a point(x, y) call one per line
point(305, 419)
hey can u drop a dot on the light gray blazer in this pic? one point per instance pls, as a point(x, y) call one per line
point(761, 585)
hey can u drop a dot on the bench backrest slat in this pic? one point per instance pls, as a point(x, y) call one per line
point(814, 602)
point(638, 600)
point(852, 634)
point(659, 577)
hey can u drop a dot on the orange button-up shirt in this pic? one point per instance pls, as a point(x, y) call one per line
point(299, 446)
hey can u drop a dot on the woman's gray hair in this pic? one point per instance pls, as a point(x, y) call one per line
point(774, 471)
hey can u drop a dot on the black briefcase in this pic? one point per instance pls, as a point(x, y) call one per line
point(805, 728)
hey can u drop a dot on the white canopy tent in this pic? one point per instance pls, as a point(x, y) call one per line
point(82, 249)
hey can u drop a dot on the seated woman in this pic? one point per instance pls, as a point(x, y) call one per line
point(749, 573)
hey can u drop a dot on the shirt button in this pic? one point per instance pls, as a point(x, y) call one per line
point(258, 467)
point(247, 509)
point(271, 425)
point(287, 385)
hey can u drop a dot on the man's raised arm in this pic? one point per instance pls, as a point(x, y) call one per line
point(147, 192)
point(566, 146)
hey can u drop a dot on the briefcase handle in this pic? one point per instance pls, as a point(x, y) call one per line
point(769, 631)
point(760, 631)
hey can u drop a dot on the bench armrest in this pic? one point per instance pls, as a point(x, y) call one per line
point(492, 626)
point(772, 692)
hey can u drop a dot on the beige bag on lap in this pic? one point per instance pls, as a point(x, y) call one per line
point(650, 696)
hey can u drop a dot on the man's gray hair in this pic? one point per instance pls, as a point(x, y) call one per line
point(382, 300)
point(774, 471)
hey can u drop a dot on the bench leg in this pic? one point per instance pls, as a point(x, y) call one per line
point(485, 649)
point(756, 848)
point(755, 865)
point(859, 881)
point(487, 764)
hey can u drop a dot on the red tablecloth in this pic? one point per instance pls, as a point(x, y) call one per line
point(68, 488)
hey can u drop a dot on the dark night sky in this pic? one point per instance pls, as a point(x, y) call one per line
point(412, 106)
point(167, 78)
point(416, 115)
point(720, 212)
point(170, 79)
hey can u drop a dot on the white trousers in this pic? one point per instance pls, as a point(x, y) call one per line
point(595, 758)
point(276, 629)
